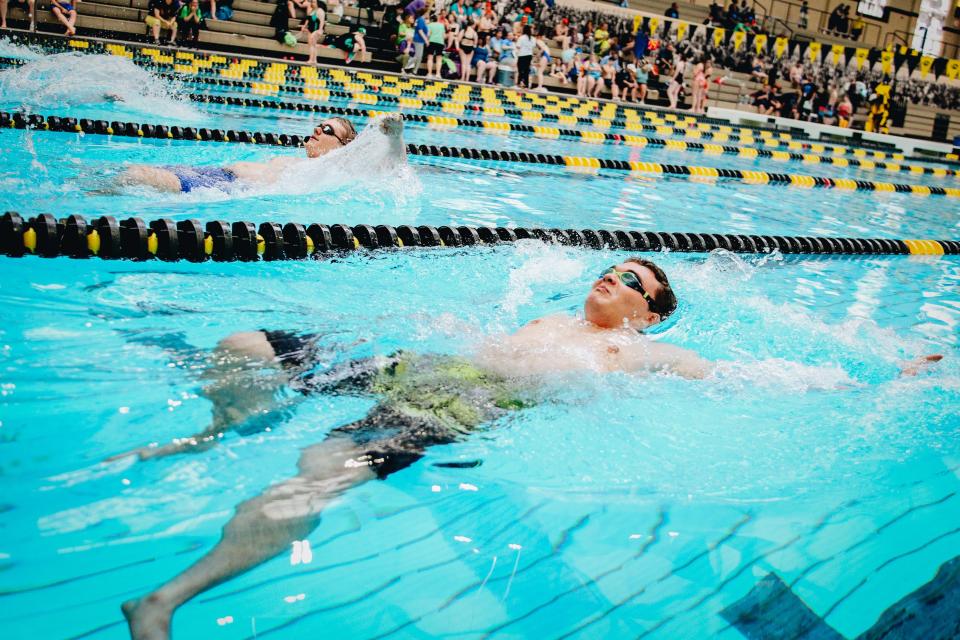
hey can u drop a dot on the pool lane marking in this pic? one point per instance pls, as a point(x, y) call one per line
point(707, 174)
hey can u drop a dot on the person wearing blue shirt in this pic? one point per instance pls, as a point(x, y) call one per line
point(420, 37)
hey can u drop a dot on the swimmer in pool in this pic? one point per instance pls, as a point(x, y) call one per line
point(422, 401)
point(329, 135)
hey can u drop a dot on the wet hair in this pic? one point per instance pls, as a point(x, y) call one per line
point(665, 300)
point(351, 131)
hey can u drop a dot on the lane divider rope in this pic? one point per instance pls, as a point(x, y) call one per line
point(189, 240)
point(591, 136)
point(579, 163)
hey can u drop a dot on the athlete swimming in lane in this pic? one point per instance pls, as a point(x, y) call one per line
point(328, 136)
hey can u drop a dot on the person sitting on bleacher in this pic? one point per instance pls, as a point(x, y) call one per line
point(293, 5)
point(352, 44)
point(190, 19)
point(162, 14)
point(66, 13)
point(26, 4)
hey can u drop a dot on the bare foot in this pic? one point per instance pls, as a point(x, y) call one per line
point(915, 366)
point(148, 618)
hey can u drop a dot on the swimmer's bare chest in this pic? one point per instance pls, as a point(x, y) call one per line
point(559, 343)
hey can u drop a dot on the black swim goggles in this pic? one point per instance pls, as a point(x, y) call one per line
point(630, 279)
point(328, 130)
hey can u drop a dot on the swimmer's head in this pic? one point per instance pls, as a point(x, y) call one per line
point(635, 293)
point(330, 134)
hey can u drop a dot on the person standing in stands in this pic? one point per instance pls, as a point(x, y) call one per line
point(525, 46)
point(420, 37)
point(436, 30)
point(190, 19)
point(804, 9)
point(313, 25)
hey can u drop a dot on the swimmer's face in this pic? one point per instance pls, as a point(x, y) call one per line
point(612, 304)
point(327, 136)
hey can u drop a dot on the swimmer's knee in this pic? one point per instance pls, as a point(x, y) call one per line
point(247, 344)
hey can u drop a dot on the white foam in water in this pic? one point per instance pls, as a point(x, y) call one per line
point(71, 79)
point(9, 49)
point(368, 163)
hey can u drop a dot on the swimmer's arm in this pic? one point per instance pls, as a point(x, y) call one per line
point(668, 358)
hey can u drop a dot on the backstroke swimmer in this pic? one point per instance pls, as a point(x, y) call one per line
point(422, 400)
point(329, 135)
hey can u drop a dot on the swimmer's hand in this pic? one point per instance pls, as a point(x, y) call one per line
point(390, 124)
point(919, 365)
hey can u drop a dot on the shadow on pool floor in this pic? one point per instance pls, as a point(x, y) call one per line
point(771, 611)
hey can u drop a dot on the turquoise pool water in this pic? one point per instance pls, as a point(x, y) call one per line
point(617, 506)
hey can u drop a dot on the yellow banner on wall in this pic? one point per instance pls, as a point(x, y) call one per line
point(779, 46)
point(813, 49)
point(738, 38)
point(835, 52)
point(861, 57)
point(925, 63)
point(760, 42)
point(953, 69)
point(654, 25)
point(636, 23)
point(886, 61)
point(718, 35)
point(681, 30)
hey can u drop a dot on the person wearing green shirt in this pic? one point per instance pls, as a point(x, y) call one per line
point(190, 19)
point(436, 31)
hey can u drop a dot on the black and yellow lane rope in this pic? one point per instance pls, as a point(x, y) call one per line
point(163, 239)
point(671, 123)
point(449, 122)
point(579, 163)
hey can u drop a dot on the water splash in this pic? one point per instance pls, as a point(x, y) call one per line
point(11, 49)
point(73, 79)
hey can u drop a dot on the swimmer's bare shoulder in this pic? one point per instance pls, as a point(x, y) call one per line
point(261, 171)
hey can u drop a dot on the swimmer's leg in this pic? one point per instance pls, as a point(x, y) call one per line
point(156, 177)
point(244, 379)
point(262, 528)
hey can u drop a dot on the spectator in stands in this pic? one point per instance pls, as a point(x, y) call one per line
point(845, 111)
point(466, 44)
point(764, 100)
point(352, 44)
point(843, 24)
point(406, 50)
point(733, 15)
point(293, 5)
point(486, 26)
point(313, 26)
point(833, 21)
point(642, 74)
point(856, 27)
point(452, 34)
point(404, 27)
point(66, 13)
point(29, 7)
point(601, 38)
point(676, 80)
point(699, 85)
point(525, 47)
point(758, 71)
point(414, 7)
point(609, 68)
point(588, 74)
point(543, 61)
point(436, 30)
point(716, 14)
point(673, 11)
point(162, 14)
point(804, 9)
point(796, 74)
point(421, 36)
point(486, 66)
point(189, 21)
point(507, 58)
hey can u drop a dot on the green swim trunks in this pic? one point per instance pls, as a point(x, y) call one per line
point(424, 400)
